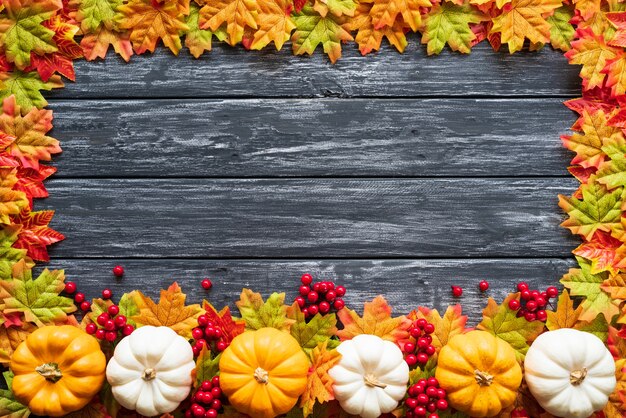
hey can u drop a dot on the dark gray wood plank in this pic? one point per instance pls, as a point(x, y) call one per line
point(405, 283)
point(309, 218)
point(235, 72)
point(312, 137)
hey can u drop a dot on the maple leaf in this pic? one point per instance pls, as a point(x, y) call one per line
point(171, 311)
point(148, 21)
point(259, 314)
point(452, 323)
point(598, 210)
point(37, 299)
point(96, 44)
point(565, 315)
point(613, 173)
point(561, 31)
point(524, 19)
point(9, 406)
point(581, 282)
point(22, 32)
point(310, 334)
point(319, 385)
point(31, 143)
point(616, 74)
point(11, 201)
point(26, 87)
point(592, 52)
point(274, 24)
point(12, 336)
point(30, 181)
point(369, 38)
point(235, 15)
point(618, 20)
point(376, 320)
point(604, 251)
point(9, 255)
point(207, 367)
point(223, 320)
point(587, 8)
point(616, 287)
point(598, 327)
point(503, 322)
point(196, 39)
point(449, 23)
point(312, 29)
point(385, 12)
point(336, 7)
point(93, 13)
point(35, 235)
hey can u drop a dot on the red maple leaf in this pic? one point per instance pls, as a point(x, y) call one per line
point(30, 181)
point(604, 251)
point(35, 234)
point(224, 321)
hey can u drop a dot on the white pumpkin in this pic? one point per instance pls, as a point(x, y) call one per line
point(371, 377)
point(570, 373)
point(150, 370)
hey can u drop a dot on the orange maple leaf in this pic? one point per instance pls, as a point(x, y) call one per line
point(96, 44)
point(319, 385)
point(618, 20)
point(169, 312)
point(452, 323)
point(615, 70)
point(376, 320)
point(275, 24)
point(368, 37)
point(385, 12)
point(604, 251)
point(35, 235)
point(592, 52)
point(11, 201)
point(236, 15)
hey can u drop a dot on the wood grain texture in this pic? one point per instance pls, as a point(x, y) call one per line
point(405, 283)
point(311, 137)
point(309, 218)
point(236, 72)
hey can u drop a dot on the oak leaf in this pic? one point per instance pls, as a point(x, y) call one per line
point(35, 234)
point(234, 15)
point(448, 23)
point(319, 387)
point(229, 326)
point(561, 30)
point(376, 320)
point(385, 12)
point(171, 311)
point(199, 40)
point(368, 37)
point(503, 322)
point(259, 314)
point(274, 24)
point(207, 367)
point(96, 44)
point(312, 333)
point(27, 87)
point(452, 323)
point(11, 201)
point(592, 52)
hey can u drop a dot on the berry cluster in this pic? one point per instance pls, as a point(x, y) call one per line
point(207, 334)
point(79, 297)
point(206, 402)
point(532, 303)
point(419, 348)
point(319, 297)
point(110, 324)
point(425, 398)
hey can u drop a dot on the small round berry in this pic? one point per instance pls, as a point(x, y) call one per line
point(215, 381)
point(428, 338)
point(430, 350)
point(340, 290)
point(70, 288)
point(188, 413)
point(432, 381)
point(206, 385)
point(197, 333)
point(196, 351)
point(113, 310)
point(102, 318)
point(211, 413)
point(541, 302)
point(521, 286)
point(209, 332)
point(412, 391)
point(216, 392)
point(521, 312)
point(100, 334)
point(202, 320)
point(306, 313)
point(128, 329)
point(431, 391)
point(304, 290)
point(331, 286)
point(312, 296)
point(420, 388)
point(420, 411)
point(433, 415)
point(483, 285)
point(316, 286)
point(411, 402)
point(422, 342)
point(323, 287)
point(207, 397)
point(110, 336)
point(530, 316)
point(324, 307)
point(339, 304)
point(442, 404)
point(411, 360)
point(514, 304)
point(221, 346)
point(217, 333)
point(91, 329)
point(120, 321)
point(429, 328)
point(118, 271)
point(306, 279)
point(313, 310)
point(542, 315)
point(109, 325)
point(422, 358)
point(216, 404)
point(85, 306)
point(300, 301)
point(421, 323)
point(331, 295)
point(198, 411)
point(409, 347)
point(106, 294)
point(206, 284)
point(423, 399)
point(201, 344)
point(457, 292)
point(79, 297)
point(531, 305)
point(525, 294)
point(431, 406)
point(535, 294)
point(552, 292)
point(441, 394)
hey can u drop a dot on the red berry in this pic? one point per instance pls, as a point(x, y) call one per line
point(530, 316)
point(316, 286)
point(113, 310)
point(323, 287)
point(339, 304)
point(102, 318)
point(521, 286)
point(420, 388)
point(431, 406)
point(206, 284)
point(525, 294)
point(110, 336)
point(552, 292)
point(331, 295)
point(441, 394)
point(120, 321)
point(429, 328)
point(304, 290)
point(85, 306)
point(106, 294)
point(422, 342)
point(221, 346)
point(118, 271)
point(100, 334)
point(514, 304)
point(542, 315)
point(211, 413)
point(420, 411)
point(79, 297)
point(196, 351)
point(188, 413)
point(91, 329)
point(442, 404)
point(422, 398)
point(432, 381)
point(412, 391)
point(331, 285)
point(324, 307)
point(428, 338)
point(300, 301)
point(306, 279)
point(411, 360)
point(209, 332)
point(216, 404)
point(415, 332)
point(70, 288)
point(202, 320)
point(411, 402)
point(109, 325)
point(483, 285)
point(457, 292)
point(433, 415)
point(128, 329)
point(422, 358)
point(216, 392)
point(541, 302)
point(313, 310)
point(531, 305)
point(431, 391)
point(312, 296)
point(215, 381)
point(206, 385)
point(217, 334)
point(197, 333)
point(207, 398)
point(340, 290)
point(409, 348)
point(306, 313)
point(534, 294)
point(430, 350)
point(421, 323)
point(198, 411)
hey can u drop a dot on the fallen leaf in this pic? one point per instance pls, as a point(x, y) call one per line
point(376, 320)
point(259, 314)
point(310, 334)
point(319, 387)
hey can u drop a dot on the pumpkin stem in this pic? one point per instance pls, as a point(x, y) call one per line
point(371, 381)
point(577, 376)
point(50, 371)
point(483, 378)
point(148, 374)
point(261, 375)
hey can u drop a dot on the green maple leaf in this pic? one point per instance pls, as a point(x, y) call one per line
point(27, 88)
point(199, 40)
point(449, 23)
point(336, 7)
point(312, 29)
point(319, 329)
point(207, 366)
point(9, 406)
point(600, 209)
point(503, 322)
point(598, 327)
point(561, 31)
point(259, 314)
point(613, 173)
point(581, 282)
point(92, 13)
point(21, 31)
point(37, 299)
point(9, 255)
point(128, 308)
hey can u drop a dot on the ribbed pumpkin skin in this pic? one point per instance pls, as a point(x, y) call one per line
point(274, 351)
point(79, 359)
point(456, 372)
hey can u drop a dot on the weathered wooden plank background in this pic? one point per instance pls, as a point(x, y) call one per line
point(393, 174)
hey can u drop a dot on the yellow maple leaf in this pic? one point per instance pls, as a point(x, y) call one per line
point(615, 287)
point(565, 315)
point(587, 8)
point(169, 312)
point(616, 71)
point(319, 385)
point(592, 52)
point(274, 22)
point(524, 19)
point(376, 320)
point(385, 12)
point(235, 15)
point(368, 37)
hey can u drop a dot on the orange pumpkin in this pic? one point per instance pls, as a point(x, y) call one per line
point(263, 372)
point(58, 369)
point(480, 373)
